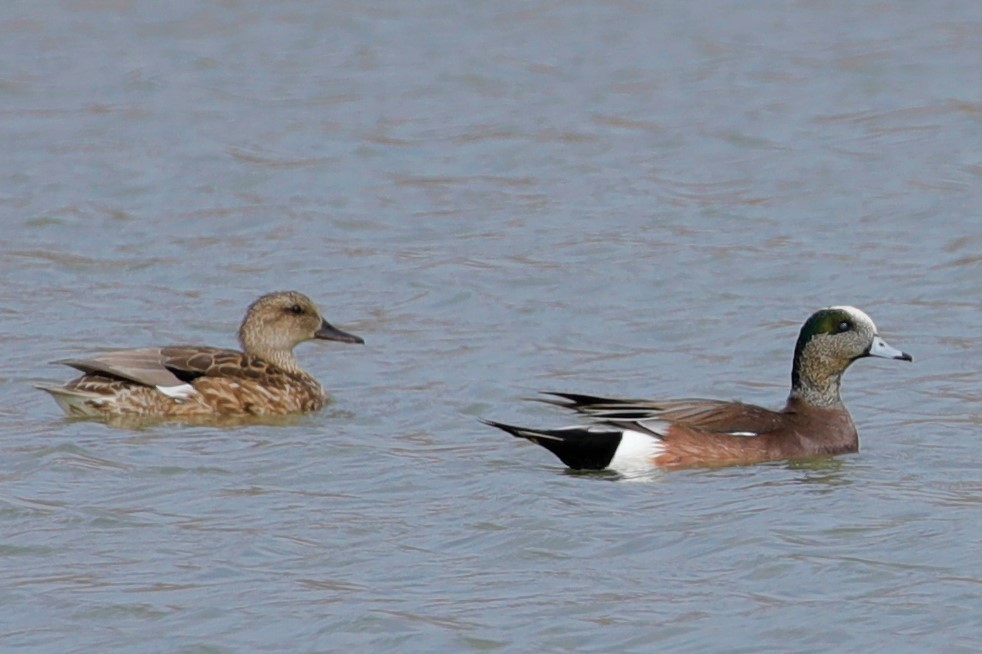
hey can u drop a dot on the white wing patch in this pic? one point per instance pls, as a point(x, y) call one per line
point(743, 433)
point(182, 392)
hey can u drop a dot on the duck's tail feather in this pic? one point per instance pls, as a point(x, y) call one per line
point(74, 402)
point(596, 447)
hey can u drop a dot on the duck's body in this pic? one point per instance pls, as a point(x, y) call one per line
point(193, 381)
point(642, 434)
point(185, 380)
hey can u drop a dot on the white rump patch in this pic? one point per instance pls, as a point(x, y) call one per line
point(182, 392)
point(635, 451)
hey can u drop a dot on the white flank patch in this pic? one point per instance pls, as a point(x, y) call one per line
point(635, 452)
point(182, 392)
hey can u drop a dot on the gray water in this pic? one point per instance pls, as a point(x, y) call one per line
point(618, 198)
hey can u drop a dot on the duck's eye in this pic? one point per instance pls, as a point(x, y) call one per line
point(844, 326)
point(296, 310)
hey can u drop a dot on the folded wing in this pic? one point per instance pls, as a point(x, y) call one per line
point(160, 367)
point(715, 416)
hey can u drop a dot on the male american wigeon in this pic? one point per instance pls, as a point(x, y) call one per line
point(632, 435)
point(263, 379)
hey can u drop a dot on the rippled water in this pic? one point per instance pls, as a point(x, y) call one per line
point(500, 197)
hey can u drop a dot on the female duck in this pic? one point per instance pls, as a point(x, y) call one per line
point(630, 435)
point(188, 380)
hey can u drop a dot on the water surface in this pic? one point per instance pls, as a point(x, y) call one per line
point(597, 197)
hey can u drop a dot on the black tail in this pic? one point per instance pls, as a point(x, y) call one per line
point(603, 408)
point(577, 447)
point(575, 401)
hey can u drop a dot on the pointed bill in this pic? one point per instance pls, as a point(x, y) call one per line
point(880, 348)
point(329, 332)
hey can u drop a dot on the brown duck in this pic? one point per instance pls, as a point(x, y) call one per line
point(264, 379)
point(631, 435)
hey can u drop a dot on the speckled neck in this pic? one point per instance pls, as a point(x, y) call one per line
point(266, 345)
point(816, 376)
point(820, 390)
point(827, 345)
point(282, 359)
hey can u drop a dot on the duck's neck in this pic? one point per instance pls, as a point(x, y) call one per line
point(280, 354)
point(813, 382)
point(283, 359)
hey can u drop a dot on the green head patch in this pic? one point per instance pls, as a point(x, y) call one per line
point(833, 320)
point(829, 322)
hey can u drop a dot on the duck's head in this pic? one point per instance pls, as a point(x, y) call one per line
point(278, 322)
point(829, 341)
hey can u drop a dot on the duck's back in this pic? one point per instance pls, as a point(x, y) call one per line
point(185, 380)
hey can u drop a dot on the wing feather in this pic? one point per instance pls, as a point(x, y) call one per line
point(708, 415)
point(161, 367)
